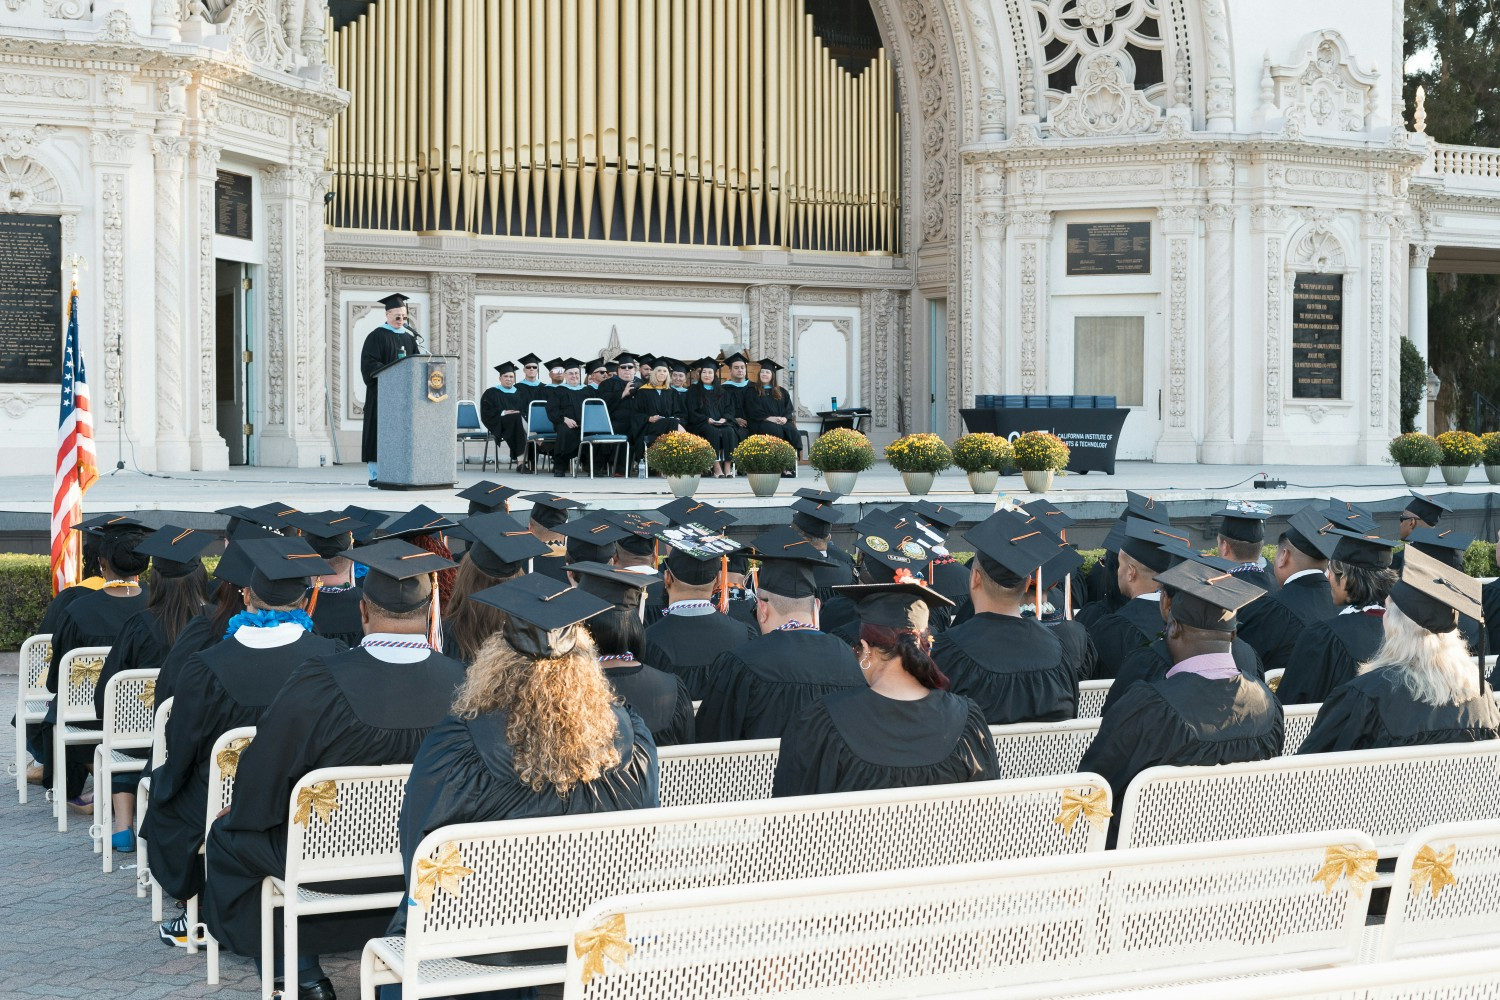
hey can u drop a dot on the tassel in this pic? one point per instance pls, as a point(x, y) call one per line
point(434, 621)
point(312, 602)
point(723, 584)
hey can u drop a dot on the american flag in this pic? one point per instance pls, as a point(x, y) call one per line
point(77, 467)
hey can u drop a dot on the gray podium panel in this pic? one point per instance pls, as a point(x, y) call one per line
point(418, 445)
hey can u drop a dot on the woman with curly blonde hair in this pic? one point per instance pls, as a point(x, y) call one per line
point(534, 731)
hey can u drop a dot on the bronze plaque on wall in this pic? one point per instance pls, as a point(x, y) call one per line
point(233, 205)
point(31, 298)
point(1318, 336)
point(1109, 248)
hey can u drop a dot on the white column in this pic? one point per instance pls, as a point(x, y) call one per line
point(1218, 446)
point(1032, 231)
point(988, 363)
point(1179, 226)
point(1416, 318)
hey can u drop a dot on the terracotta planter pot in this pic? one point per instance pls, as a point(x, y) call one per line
point(983, 483)
point(1038, 481)
point(918, 483)
point(763, 484)
point(683, 486)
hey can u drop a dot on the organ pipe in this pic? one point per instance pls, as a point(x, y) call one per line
point(720, 122)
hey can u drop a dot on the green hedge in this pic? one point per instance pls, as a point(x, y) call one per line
point(25, 590)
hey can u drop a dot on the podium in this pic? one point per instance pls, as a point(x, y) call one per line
point(417, 446)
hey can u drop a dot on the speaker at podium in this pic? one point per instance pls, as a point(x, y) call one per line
point(416, 447)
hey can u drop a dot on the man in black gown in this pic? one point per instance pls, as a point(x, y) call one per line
point(636, 553)
point(1421, 511)
point(1138, 621)
point(1273, 626)
point(1016, 669)
point(548, 513)
point(565, 410)
point(391, 341)
point(619, 392)
point(368, 706)
point(502, 410)
point(756, 691)
point(692, 632)
point(1101, 587)
point(1205, 710)
point(335, 610)
point(813, 517)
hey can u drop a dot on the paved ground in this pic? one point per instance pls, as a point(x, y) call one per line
point(73, 931)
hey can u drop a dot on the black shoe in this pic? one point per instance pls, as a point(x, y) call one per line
point(320, 990)
point(174, 933)
point(373, 485)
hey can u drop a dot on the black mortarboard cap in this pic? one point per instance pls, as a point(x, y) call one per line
point(1009, 548)
point(1052, 517)
point(641, 530)
point(374, 517)
point(591, 538)
point(174, 551)
point(400, 577)
point(234, 566)
point(894, 542)
point(420, 520)
point(486, 496)
point(275, 515)
point(506, 367)
point(815, 518)
point(1432, 593)
point(395, 300)
point(822, 496)
point(1366, 550)
point(1207, 598)
point(1144, 541)
point(540, 613)
point(550, 510)
point(556, 363)
point(1446, 545)
point(768, 363)
point(501, 544)
point(1303, 529)
point(1140, 505)
point(529, 359)
point(688, 510)
point(935, 514)
point(1056, 569)
point(736, 356)
point(694, 568)
point(624, 358)
point(282, 568)
point(1244, 521)
point(109, 522)
point(702, 363)
point(617, 586)
point(1351, 517)
point(677, 366)
point(1429, 510)
point(1186, 553)
point(573, 363)
point(899, 606)
point(650, 360)
point(330, 533)
point(787, 563)
point(596, 364)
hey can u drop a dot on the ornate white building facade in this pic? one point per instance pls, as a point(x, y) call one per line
point(1252, 157)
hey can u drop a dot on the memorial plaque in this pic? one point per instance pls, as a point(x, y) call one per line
point(1109, 248)
point(1318, 336)
point(31, 298)
point(232, 205)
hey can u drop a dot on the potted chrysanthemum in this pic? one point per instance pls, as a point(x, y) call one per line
point(1040, 455)
point(764, 459)
point(982, 456)
point(1461, 452)
point(1415, 453)
point(919, 458)
point(841, 455)
point(682, 458)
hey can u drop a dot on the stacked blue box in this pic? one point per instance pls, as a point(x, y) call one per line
point(1104, 402)
point(1060, 402)
point(1038, 402)
point(1013, 402)
point(986, 402)
point(1083, 402)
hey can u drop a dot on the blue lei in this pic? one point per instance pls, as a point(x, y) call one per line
point(268, 619)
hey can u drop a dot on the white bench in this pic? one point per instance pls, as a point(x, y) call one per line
point(77, 676)
point(226, 750)
point(1043, 927)
point(1474, 976)
point(1091, 696)
point(129, 721)
point(1465, 915)
point(1390, 794)
point(143, 880)
point(531, 878)
point(32, 698)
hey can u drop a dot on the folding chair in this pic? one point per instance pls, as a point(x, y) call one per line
point(539, 429)
point(32, 698)
point(470, 429)
point(128, 725)
point(597, 429)
point(143, 880)
point(77, 675)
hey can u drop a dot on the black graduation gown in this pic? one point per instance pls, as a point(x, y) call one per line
point(337, 615)
point(687, 645)
point(1102, 586)
point(756, 691)
point(1273, 624)
point(759, 405)
point(196, 635)
point(1328, 654)
point(739, 403)
point(218, 689)
point(59, 604)
point(465, 772)
point(140, 645)
point(742, 607)
point(566, 403)
point(552, 567)
point(506, 428)
point(1490, 599)
point(1152, 663)
point(712, 404)
point(1183, 721)
point(1376, 710)
point(382, 346)
point(658, 697)
point(1014, 669)
point(856, 739)
point(624, 411)
point(1119, 633)
point(663, 403)
point(950, 578)
point(340, 710)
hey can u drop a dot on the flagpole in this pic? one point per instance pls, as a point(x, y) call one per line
point(76, 468)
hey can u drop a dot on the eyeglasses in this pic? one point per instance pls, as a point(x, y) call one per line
point(627, 366)
point(1408, 517)
point(530, 368)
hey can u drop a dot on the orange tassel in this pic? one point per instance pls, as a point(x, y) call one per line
point(723, 584)
point(312, 603)
point(435, 619)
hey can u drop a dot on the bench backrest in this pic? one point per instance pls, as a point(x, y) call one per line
point(1091, 695)
point(1390, 794)
point(35, 658)
point(78, 675)
point(1473, 976)
point(129, 716)
point(159, 734)
point(1030, 749)
point(695, 774)
point(344, 823)
point(1043, 927)
point(532, 878)
point(1299, 721)
point(223, 766)
point(1464, 915)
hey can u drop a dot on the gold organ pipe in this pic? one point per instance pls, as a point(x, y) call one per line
point(729, 162)
point(506, 55)
point(757, 117)
point(694, 88)
point(474, 119)
point(648, 114)
point(438, 157)
point(362, 188)
point(630, 108)
point(570, 111)
point(493, 136)
point(801, 162)
point(335, 162)
point(609, 110)
point(707, 114)
point(521, 51)
point(717, 124)
point(538, 109)
point(588, 105)
point(664, 101)
point(384, 115)
point(742, 157)
point(554, 110)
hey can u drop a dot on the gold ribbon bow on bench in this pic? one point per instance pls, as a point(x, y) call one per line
point(87, 671)
point(1429, 868)
point(444, 873)
point(229, 758)
point(147, 693)
point(607, 941)
point(1090, 805)
point(322, 798)
point(1349, 863)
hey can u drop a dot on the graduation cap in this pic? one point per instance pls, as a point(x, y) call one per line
point(677, 366)
point(1140, 505)
point(557, 363)
point(1207, 598)
point(591, 538)
point(501, 544)
point(1144, 541)
point(506, 367)
point(821, 496)
point(485, 496)
point(688, 510)
point(400, 577)
point(1049, 516)
point(238, 514)
point(1244, 521)
point(420, 520)
point(787, 563)
point(1427, 510)
point(619, 587)
point(693, 564)
point(815, 518)
point(1446, 546)
point(572, 363)
point(281, 568)
point(174, 551)
point(1186, 553)
point(624, 358)
point(597, 365)
point(935, 514)
point(1055, 570)
point(1009, 548)
point(540, 613)
point(234, 566)
point(702, 363)
point(365, 514)
point(550, 510)
point(736, 356)
point(1351, 517)
point(274, 515)
point(1432, 593)
point(395, 300)
point(900, 606)
point(1369, 551)
point(529, 359)
point(1304, 527)
point(641, 529)
point(331, 533)
point(894, 543)
point(109, 522)
point(768, 363)
point(649, 361)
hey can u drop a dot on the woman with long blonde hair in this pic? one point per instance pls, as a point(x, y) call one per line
point(1422, 685)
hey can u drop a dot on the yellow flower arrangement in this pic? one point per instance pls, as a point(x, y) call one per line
point(1491, 442)
point(764, 453)
point(919, 453)
point(1038, 451)
point(1415, 449)
point(678, 453)
point(982, 452)
point(842, 450)
point(1460, 448)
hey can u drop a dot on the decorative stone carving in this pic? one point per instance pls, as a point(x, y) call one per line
point(1323, 179)
point(18, 142)
point(169, 153)
point(1273, 330)
point(1088, 179)
point(116, 27)
point(1421, 254)
point(1030, 307)
point(112, 255)
point(1318, 249)
point(1219, 91)
point(112, 146)
point(25, 185)
point(1103, 102)
point(67, 88)
point(1377, 333)
point(253, 120)
point(1177, 314)
point(1333, 93)
point(259, 36)
point(276, 333)
point(68, 10)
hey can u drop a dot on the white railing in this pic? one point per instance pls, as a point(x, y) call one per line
point(1472, 162)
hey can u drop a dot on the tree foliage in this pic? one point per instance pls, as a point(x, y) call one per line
point(1462, 37)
